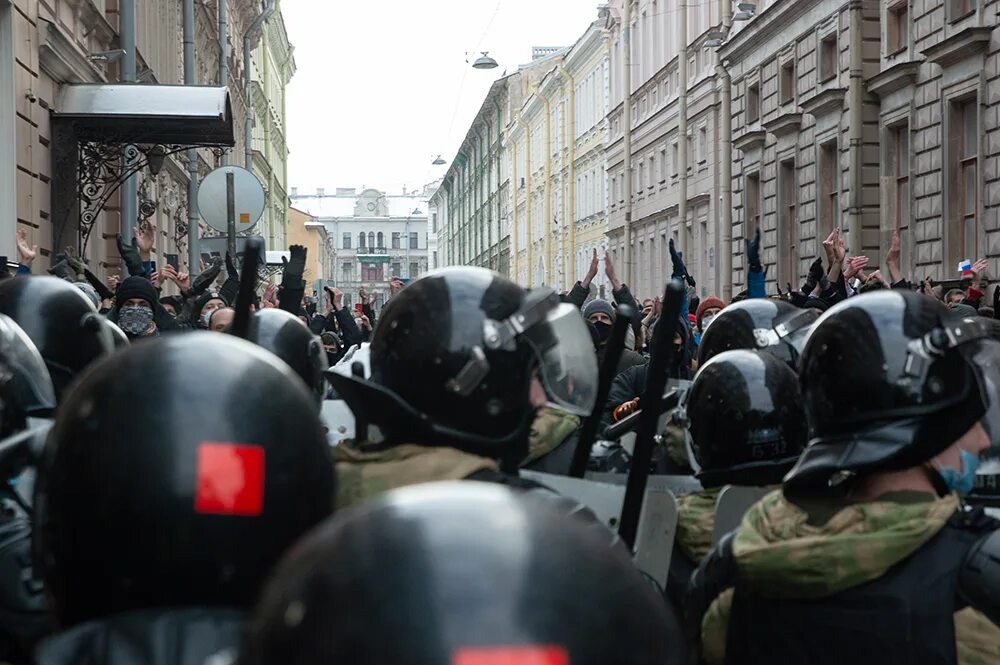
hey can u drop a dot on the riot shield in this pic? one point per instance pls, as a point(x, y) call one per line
point(732, 505)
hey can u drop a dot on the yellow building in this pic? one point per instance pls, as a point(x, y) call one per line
point(304, 229)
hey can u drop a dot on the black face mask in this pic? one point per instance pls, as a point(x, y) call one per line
point(603, 331)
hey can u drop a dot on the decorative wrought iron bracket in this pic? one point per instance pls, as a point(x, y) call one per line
point(102, 168)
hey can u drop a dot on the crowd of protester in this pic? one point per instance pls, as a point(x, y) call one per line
point(172, 495)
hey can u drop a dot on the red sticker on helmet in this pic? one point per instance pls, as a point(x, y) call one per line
point(533, 655)
point(230, 479)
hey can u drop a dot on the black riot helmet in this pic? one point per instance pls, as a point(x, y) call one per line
point(177, 475)
point(284, 335)
point(758, 323)
point(889, 380)
point(406, 581)
point(453, 357)
point(746, 421)
point(29, 377)
point(61, 321)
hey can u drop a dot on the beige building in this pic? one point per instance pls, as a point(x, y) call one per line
point(913, 139)
point(46, 45)
point(273, 68)
point(675, 174)
point(805, 138)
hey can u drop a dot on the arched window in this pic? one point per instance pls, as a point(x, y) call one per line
point(361, 241)
point(381, 240)
point(371, 240)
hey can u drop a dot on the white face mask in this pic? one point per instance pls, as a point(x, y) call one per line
point(706, 321)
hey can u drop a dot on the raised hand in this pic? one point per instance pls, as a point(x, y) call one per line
point(26, 251)
point(591, 272)
point(145, 235)
point(855, 264)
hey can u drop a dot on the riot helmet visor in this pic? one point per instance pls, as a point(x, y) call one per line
point(566, 361)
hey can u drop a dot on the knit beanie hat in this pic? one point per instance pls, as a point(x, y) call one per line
point(710, 302)
point(136, 287)
point(598, 306)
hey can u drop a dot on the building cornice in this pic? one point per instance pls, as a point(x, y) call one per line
point(963, 44)
point(825, 101)
point(894, 78)
point(784, 124)
point(764, 26)
point(62, 59)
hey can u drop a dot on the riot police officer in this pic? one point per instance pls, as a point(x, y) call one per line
point(63, 324)
point(758, 323)
point(453, 361)
point(746, 426)
point(26, 393)
point(461, 573)
point(284, 335)
point(172, 481)
point(866, 555)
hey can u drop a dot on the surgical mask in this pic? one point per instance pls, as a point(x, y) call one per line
point(962, 481)
point(135, 320)
point(603, 331)
point(706, 321)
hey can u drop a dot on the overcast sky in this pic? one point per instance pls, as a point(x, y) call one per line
point(382, 87)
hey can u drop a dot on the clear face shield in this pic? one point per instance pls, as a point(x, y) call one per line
point(567, 365)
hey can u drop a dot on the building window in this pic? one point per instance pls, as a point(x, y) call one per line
point(361, 241)
point(787, 223)
point(964, 178)
point(702, 145)
point(828, 187)
point(371, 240)
point(901, 172)
point(414, 270)
point(346, 241)
point(347, 271)
point(371, 272)
point(752, 203)
point(786, 83)
point(898, 27)
point(663, 165)
point(414, 240)
point(381, 241)
point(691, 157)
point(828, 57)
point(652, 172)
point(958, 9)
point(395, 240)
point(676, 159)
point(397, 270)
point(753, 102)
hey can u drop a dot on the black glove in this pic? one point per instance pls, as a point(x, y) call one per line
point(63, 271)
point(677, 261)
point(130, 255)
point(205, 279)
point(295, 266)
point(815, 275)
point(231, 270)
point(753, 252)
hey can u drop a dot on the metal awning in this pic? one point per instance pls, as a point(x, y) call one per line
point(156, 114)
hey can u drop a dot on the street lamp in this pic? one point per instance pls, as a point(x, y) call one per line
point(438, 161)
point(485, 62)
